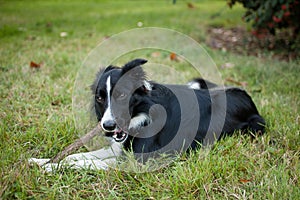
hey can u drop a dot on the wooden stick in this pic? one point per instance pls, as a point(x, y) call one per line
point(76, 145)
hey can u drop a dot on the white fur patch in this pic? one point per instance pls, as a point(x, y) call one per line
point(194, 85)
point(147, 85)
point(139, 120)
point(107, 114)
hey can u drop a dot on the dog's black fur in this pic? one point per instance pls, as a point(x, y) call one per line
point(139, 98)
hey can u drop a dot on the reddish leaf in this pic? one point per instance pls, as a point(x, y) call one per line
point(173, 57)
point(35, 65)
point(245, 180)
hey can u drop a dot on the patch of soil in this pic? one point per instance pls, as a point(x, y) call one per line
point(240, 41)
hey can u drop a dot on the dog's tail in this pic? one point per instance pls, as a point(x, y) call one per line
point(256, 124)
point(200, 83)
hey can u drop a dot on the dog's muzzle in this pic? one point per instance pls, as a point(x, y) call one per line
point(112, 130)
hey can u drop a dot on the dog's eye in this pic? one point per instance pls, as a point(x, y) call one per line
point(122, 96)
point(100, 100)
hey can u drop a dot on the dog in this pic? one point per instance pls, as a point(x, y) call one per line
point(150, 119)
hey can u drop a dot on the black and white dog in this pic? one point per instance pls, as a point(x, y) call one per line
point(149, 118)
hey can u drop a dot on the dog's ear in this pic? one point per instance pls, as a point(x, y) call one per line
point(132, 64)
point(135, 71)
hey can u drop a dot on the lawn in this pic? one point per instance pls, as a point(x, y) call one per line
point(36, 105)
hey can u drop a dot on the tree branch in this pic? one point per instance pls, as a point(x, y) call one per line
point(76, 145)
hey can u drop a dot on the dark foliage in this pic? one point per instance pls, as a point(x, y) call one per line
point(273, 16)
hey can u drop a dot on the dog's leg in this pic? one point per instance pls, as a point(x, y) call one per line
point(39, 161)
point(114, 150)
point(80, 164)
point(95, 160)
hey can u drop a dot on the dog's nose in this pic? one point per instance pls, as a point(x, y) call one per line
point(109, 125)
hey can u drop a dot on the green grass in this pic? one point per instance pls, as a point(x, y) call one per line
point(236, 168)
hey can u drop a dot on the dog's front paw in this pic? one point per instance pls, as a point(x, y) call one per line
point(48, 167)
point(38, 161)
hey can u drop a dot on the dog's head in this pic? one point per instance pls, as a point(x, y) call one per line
point(118, 99)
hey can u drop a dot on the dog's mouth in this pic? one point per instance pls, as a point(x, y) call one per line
point(119, 135)
point(136, 123)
